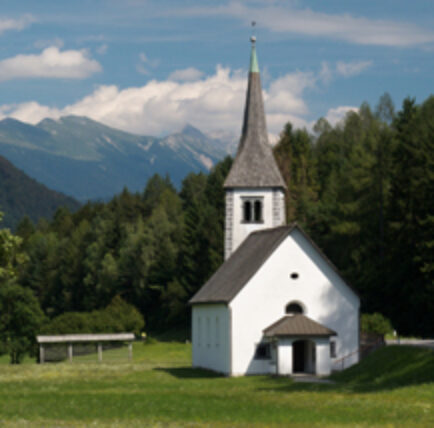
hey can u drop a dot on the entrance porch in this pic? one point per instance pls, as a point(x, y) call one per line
point(301, 345)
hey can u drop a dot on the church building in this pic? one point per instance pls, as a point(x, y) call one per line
point(276, 305)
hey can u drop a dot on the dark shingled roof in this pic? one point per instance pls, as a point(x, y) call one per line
point(236, 271)
point(254, 165)
point(297, 325)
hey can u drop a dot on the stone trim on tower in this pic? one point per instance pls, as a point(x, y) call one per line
point(279, 217)
point(229, 222)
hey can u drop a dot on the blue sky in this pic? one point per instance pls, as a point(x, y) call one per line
point(150, 66)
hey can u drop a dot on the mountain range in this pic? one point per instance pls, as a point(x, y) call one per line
point(21, 195)
point(88, 160)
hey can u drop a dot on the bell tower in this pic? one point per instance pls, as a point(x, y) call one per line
point(254, 187)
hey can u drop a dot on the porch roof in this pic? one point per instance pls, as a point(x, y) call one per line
point(298, 325)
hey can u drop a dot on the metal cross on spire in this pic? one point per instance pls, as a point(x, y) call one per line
point(253, 37)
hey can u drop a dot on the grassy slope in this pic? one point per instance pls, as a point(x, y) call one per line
point(390, 367)
point(160, 389)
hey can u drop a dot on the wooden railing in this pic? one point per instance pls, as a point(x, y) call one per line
point(362, 351)
point(342, 359)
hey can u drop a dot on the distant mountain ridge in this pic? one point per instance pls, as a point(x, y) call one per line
point(88, 160)
point(21, 195)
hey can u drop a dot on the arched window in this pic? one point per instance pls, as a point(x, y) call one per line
point(293, 308)
point(258, 211)
point(247, 211)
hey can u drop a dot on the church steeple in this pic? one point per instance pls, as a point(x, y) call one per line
point(254, 186)
point(254, 165)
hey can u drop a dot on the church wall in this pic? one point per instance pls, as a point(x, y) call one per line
point(236, 231)
point(323, 366)
point(284, 357)
point(263, 299)
point(210, 337)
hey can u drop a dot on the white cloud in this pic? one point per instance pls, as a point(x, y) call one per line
point(30, 112)
point(212, 103)
point(186, 75)
point(50, 63)
point(285, 93)
point(335, 115)
point(15, 24)
point(343, 26)
point(348, 69)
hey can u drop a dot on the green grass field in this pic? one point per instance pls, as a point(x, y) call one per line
point(393, 387)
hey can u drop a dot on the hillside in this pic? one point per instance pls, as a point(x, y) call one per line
point(21, 195)
point(88, 160)
point(390, 367)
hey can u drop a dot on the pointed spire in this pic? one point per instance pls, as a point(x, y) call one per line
point(254, 165)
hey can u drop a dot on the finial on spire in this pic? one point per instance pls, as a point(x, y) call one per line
point(253, 37)
point(253, 60)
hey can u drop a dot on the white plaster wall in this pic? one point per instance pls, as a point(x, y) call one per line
point(319, 288)
point(323, 366)
point(241, 230)
point(284, 357)
point(211, 337)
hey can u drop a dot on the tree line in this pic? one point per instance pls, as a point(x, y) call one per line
point(362, 189)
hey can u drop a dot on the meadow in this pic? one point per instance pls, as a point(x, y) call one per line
point(392, 387)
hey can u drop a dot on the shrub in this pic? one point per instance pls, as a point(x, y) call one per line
point(127, 316)
point(20, 319)
point(376, 323)
point(67, 323)
point(117, 317)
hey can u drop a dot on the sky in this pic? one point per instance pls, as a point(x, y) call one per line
point(152, 66)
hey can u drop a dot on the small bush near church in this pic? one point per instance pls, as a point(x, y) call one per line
point(376, 323)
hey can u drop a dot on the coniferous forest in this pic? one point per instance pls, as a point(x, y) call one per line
point(362, 189)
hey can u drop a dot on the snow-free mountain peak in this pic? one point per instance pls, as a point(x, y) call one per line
point(89, 160)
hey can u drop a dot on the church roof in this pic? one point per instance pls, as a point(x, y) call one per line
point(239, 268)
point(254, 165)
point(297, 325)
point(236, 271)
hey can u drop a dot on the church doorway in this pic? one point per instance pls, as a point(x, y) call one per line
point(303, 356)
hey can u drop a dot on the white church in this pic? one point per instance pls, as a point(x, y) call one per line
point(277, 305)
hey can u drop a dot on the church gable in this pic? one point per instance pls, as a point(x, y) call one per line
point(295, 270)
point(236, 272)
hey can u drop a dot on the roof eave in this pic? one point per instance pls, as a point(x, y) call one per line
point(301, 335)
point(251, 186)
point(191, 302)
